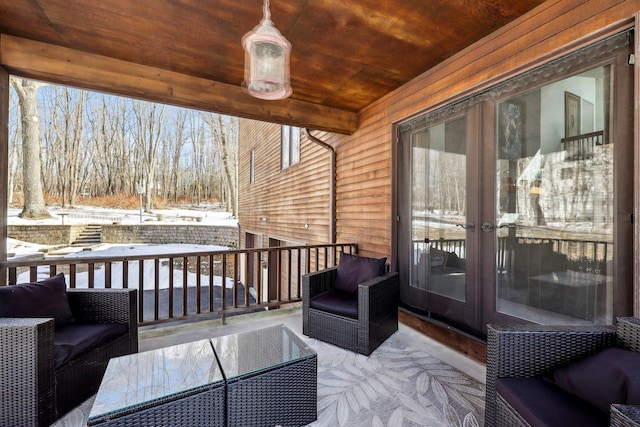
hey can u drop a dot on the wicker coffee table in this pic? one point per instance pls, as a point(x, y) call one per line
point(271, 378)
point(264, 377)
point(180, 385)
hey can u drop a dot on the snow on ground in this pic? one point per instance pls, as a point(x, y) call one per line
point(97, 215)
point(93, 214)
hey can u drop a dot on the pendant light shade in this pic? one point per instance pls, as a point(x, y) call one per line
point(266, 60)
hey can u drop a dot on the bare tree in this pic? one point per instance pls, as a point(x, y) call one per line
point(225, 135)
point(14, 136)
point(106, 145)
point(68, 125)
point(173, 148)
point(34, 205)
point(148, 133)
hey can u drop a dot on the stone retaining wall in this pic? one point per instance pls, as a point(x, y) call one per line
point(170, 233)
point(125, 233)
point(45, 234)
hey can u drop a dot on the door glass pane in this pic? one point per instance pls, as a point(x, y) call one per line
point(438, 204)
point(555, 202)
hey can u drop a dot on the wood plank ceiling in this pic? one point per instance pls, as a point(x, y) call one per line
point(346, 53)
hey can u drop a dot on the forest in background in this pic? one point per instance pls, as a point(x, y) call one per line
point(97, 147)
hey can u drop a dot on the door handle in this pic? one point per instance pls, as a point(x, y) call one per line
point(487, 227)
point(471, 226)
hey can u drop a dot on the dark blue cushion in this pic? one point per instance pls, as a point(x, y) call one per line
point(353, 270)
point(337, 302)
point(543, 404)
point(610, 376)
point(43, 299)
point(76, 338)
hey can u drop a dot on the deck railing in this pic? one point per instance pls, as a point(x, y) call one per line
point(180, 286)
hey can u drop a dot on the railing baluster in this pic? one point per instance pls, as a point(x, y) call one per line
point(236, 258)
point(212, 275)
point(91, 275)
point(156, 287)
point(141, 289)
point(198, 286)
point(125, 274)
point(72, 275)
point(299, 278)
point(185, 283)
point(258, 280)
point(326, 256)
point(171, 261)
point(289, 274)
point(107, 274)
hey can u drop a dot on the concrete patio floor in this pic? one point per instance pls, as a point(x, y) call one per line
point(152, 337)
point(410, 380)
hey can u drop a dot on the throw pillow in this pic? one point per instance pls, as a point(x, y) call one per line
point(353, 270)
point(46, 298)
point(611, 376)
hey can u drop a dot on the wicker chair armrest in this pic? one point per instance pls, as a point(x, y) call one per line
point(318, 282)
point(378, 296)
point(628, 332)
point(625, 415)
point(107, 306)
point(24, 334)
point(530, 350)
point(27, 382)
point(103, 305)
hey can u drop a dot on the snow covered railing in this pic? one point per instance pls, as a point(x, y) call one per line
point(191, 284)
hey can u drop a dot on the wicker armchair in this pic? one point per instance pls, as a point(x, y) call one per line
point(525, 351)
point(32, 392)
point(377, 312)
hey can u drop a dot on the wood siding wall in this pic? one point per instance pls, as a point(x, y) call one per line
point(364, 163)
point(364, 160)
point(287, 198)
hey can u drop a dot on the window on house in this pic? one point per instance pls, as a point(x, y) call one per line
point(252, 167)
point(290, 146)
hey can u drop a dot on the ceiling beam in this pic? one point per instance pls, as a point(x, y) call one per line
point(61, 65)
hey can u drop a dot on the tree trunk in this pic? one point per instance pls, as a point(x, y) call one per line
point(34, 206)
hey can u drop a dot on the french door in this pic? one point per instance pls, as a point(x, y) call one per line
point(437, 238)
point(515, 205)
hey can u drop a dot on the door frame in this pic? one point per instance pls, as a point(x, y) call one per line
point(625, 206)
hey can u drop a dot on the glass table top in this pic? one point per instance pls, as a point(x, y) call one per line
point(248, 352)
point(141, 378)
point(135, 381)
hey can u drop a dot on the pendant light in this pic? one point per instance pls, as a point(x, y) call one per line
point(266, 60)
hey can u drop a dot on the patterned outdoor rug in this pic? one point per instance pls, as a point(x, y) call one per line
point(400, 384)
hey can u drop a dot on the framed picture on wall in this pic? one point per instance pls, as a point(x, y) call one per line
point(571, 115)
point(511, 129)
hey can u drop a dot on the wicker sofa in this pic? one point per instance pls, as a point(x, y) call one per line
point(42, 376)
point(549, 375)
point(371, 315)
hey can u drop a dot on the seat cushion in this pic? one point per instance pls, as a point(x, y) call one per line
point(77, 338)
point(610, 376)
point(337, 302)
point(42, 299)
point(542, 404)
point(353, 270)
